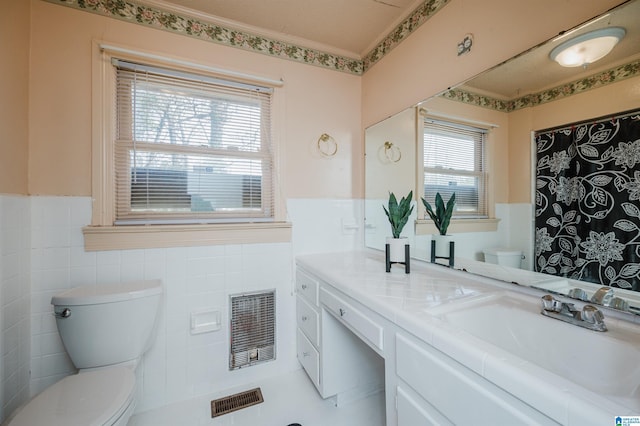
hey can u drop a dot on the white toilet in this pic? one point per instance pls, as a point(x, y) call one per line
point(105, 330)
point(503, 257)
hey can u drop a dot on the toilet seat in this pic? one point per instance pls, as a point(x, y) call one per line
point(92, 398)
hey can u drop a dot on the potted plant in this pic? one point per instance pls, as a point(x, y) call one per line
point(398, 214)
point(441, 217)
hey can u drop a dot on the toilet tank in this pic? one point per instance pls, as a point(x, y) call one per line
point(107, 324)
point(503, 257)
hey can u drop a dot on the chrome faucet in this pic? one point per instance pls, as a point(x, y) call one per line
point(603, 296)
point(606, 297)
point(589, 317)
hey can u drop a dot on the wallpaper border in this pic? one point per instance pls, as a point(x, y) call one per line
point(188, 26)
point(613, 75)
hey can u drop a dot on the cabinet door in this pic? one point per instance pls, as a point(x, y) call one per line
point(457, 392)
point(412, 411)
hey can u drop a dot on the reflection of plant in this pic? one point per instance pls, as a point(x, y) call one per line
point(442, 215)
point(398, 213)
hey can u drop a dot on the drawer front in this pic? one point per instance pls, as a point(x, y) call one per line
point(307, 287)
point(309, 358)
point(359, 322)
point(307, 319)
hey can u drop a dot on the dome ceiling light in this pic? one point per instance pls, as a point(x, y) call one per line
point(587, 48)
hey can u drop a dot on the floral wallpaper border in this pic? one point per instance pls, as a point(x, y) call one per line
point(156, 18)
point(418, 17)
point(594, 81)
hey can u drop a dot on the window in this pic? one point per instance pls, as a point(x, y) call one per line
point(454, 162)
point(190, 148)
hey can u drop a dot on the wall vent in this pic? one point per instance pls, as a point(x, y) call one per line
point(252, 329)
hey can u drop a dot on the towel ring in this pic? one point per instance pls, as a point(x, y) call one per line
point(392, 152)
point(327, 145)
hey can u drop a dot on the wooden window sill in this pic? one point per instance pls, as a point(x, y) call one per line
point(158, 236)
point(457, 226)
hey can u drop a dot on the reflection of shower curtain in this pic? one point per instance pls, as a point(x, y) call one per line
point(588, 201)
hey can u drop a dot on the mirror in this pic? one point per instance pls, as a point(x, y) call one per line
point(527, 93)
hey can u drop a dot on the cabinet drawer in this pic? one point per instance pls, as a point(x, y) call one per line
point(307, 319)
point(309, 358)
point(354, 318)
point(307, 286)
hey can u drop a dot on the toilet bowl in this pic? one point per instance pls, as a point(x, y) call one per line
point(105, 330)
point(95, 398)
point(504, 257)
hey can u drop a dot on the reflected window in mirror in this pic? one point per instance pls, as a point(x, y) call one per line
point(454, 162)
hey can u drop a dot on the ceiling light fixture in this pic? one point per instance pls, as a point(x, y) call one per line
point(587, 48)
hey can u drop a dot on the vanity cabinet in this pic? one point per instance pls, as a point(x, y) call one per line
point(361, 331)
point(338, 362)
point(439, 390)
point(308, 320)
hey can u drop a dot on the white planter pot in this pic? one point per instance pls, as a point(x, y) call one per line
point(396, 248)
point(442, 244)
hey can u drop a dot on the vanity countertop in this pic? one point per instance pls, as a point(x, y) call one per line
point(414, 301)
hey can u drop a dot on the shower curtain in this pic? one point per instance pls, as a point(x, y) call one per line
point(587, 201)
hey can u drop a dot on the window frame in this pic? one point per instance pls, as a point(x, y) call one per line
point(102, 233)
point(459, 223)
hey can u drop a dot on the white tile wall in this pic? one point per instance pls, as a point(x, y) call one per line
point(14, 302)
point(42, 253)
point(179, 365)
point(468, 244)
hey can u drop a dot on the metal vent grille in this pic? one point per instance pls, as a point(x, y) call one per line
point(252, 329)
point(236, 402)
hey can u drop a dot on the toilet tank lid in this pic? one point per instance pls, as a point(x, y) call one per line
point(502, 251)
point(97, 294)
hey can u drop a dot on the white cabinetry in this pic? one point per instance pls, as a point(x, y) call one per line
point(339, 363)
point(448, 390)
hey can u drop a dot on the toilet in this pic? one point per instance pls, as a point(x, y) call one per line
point(105, 330)
point(503, 257)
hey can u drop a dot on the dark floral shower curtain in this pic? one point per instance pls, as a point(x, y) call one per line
point(587, 216)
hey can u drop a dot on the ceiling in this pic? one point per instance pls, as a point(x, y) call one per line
point(533, 71)
point(324, 24)
point(328, 25)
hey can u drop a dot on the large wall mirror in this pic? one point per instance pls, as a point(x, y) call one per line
point(510, 102)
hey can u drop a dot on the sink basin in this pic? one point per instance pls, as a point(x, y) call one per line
point(606, 363)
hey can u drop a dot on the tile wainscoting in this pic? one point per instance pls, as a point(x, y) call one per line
point(180, 365)
point(42, 254)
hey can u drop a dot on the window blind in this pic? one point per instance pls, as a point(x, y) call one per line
point(454, 163)
point(190, 148)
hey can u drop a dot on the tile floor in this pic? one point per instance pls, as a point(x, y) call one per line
point(287, 399)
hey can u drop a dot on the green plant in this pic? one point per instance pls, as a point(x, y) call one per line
point(398, 213)
point(442, 215)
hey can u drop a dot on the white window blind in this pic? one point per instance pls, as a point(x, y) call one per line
point(191, 148)
point(454, 162)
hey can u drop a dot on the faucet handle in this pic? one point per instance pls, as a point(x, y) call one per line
point(603, 296)
point(550, 303)
point(594, 316)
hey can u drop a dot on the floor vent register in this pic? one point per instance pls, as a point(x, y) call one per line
point(231, 403)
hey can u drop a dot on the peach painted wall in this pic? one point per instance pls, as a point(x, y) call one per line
point(313, 101)
point(617, 97)
point(426, 62)
point(14, 96)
